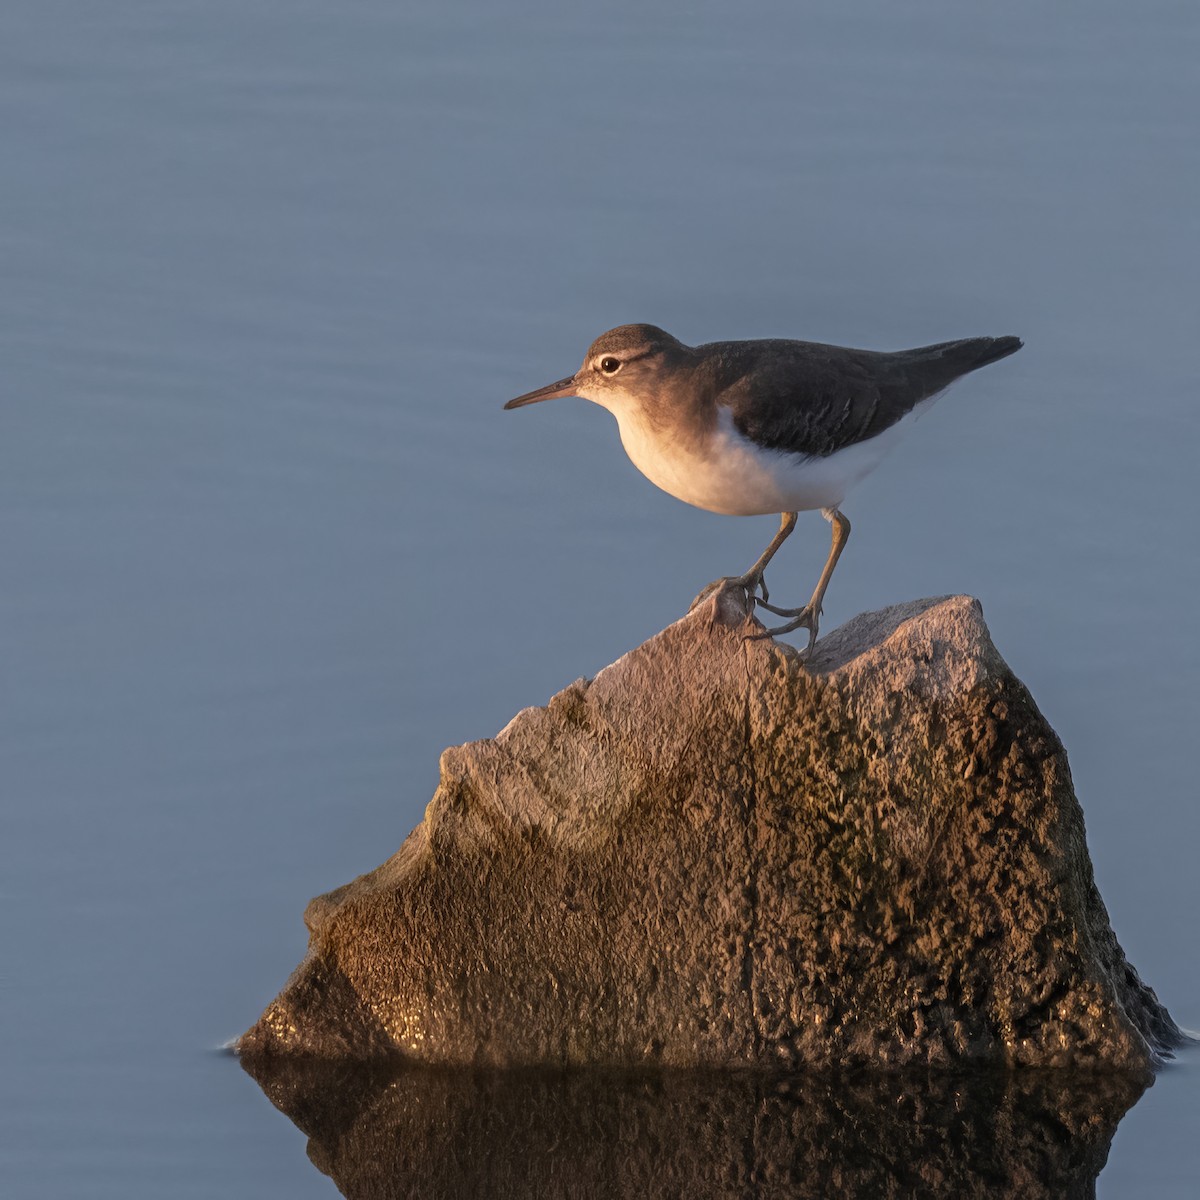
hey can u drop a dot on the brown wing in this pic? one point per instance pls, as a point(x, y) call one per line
point(813, 400)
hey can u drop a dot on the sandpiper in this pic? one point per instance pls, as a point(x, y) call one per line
point(771, 426)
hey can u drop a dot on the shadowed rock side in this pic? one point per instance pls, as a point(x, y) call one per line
point(713, 855)
point(452, 1134)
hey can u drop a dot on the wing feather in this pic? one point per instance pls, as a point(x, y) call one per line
point(812, 400)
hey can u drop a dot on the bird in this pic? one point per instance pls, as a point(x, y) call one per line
point(764, 426)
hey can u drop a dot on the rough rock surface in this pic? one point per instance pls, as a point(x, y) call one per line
point(715, 854)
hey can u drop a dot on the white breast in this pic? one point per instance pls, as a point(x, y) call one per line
point(730, 474)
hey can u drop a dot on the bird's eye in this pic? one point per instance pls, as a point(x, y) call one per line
point(610, 365)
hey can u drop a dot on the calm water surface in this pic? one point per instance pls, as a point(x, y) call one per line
point(269, 544)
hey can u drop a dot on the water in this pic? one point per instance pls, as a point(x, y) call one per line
point(269, 543)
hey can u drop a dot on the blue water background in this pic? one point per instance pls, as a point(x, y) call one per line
point(268, 542)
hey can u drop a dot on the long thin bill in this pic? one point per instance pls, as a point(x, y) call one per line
point(552, 391)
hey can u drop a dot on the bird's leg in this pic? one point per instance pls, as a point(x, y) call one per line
point(752, 580)
point(809, 616)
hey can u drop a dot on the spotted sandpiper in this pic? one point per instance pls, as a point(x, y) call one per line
point(771, 426)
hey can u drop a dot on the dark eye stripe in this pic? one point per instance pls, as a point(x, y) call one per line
point(626, 359)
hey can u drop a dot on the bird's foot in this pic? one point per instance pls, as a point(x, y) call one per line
point(807, 617)
point(750, 583)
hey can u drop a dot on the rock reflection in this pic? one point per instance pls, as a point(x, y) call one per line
point(426, 1133)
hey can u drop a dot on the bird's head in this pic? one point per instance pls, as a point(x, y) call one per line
point(622, 368)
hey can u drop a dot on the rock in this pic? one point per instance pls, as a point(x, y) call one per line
point(715, 854)
point(383, 1132)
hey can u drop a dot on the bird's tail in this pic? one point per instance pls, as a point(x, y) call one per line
point(990, 349)
point(924, 372)
point(969, 354)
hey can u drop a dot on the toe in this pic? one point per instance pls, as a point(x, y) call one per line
point(802, 618)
